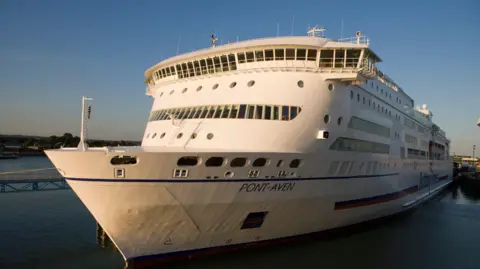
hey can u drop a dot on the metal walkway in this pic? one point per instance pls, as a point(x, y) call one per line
point(43, 179)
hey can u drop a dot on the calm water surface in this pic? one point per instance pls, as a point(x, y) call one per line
point(53, 229)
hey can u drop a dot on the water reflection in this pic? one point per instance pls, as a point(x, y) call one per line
point(465, 191)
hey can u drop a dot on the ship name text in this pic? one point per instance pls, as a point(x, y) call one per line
point(267, 187)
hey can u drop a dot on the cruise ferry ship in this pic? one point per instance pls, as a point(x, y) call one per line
point(257, 141)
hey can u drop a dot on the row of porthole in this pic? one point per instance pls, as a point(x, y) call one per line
point(236, 162)
point(214, 87)
point(330, 86)
point(180, 135)
point(384, 110)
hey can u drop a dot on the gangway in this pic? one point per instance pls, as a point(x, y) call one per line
point(41, 179)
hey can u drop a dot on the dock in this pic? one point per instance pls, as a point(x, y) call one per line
point(42, 179)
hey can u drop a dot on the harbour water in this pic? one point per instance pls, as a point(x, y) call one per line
point(52, 229)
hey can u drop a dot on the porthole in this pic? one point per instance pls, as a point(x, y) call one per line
point(171, 92)
point(161, 94)
point(339, 120)
point(184, 90)
point(148, 135)
point(233, 84)
point(238, 162)
point(300, 83)
point(351, 94)
point(330, 87)
point(295, 163)
point(209, 136)
point(259, 162)
point(280, 163)
point(326, 118)
point(229, 174)
point(214, 161)
point(119, 160)
point(154, 135)
point(251, 83)
point(188, 161)
point(162, 135)
point(215, 86)
point(179, 135)
point(199, 88)
point(193, 136)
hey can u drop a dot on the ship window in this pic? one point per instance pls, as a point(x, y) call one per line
point(276, 114)
point(250, 111)
point(171, 92)
point(199, 88)
point(218, 112)
point(119, 160)
point(210, 65)
point(233, 112)
point(184, 90)
point(326, 118)
point(225, 112)
point(193, 136)
point(364, 100)
point(181, 114)
point(214, 161)
point(193, 111)
point(185, 70)
point(326, 58)
point(290, 54)
point(350, 144)
point(260, 162)
point(293, 112)
point(179, 135)
point(279, 163)
point(154, 135)
point(358, 97)
point(352, 57)
point(339, 57)
point(330, 87)
point(241, 111)
point(268, 55)
point(233, 84)
point(216, 63)
point(196, 64)
point(167, 71)
point(301, 54)
point(300, 84)
point(179, 69)
point(295, 163)
point(172, 70)
point(378, 107)
point(214, 87)
point(231, 62)
point(209, 136)
point(238, 162)
point(285, 113)
point(259, 55)
point(164, 73)
point(250, 57)
point(259, 111)
point(211, 112)
point(381, 91)
point(339, 120)
point(251, 83)
point(191, 72)
point(312, 55)
point(224, 60)
point(382, 108)
point(241, 57)
point(351, 94)
point(268, 112)
point(162, 135)
point(279, 54)
point(188, 161)
point(204, 112)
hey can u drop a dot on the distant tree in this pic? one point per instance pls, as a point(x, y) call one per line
point(28, 143)
point(67, 139)
point(53, 141)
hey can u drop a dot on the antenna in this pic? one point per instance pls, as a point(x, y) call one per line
point(293, 22)
point(178, 45)
point(315, 29)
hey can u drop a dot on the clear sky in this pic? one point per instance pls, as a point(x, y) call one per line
point(53, 52)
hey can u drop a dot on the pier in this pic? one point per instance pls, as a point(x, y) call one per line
point(42, 179)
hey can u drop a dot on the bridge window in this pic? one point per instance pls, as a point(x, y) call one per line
point(279, 54)
point(268, 112)
point(198, 71)
point(259, 111)
point(352, 57)
point(339, 57)
point(290, 54)
point(301, 54)
point(224, 61)
point(312, 55)
point(241, 57)
point(285, 113)
point(259, 55)
point(217, 65)
point(231, 62)
point(250, 57)
point(276, 113)
point(326, 58)
point(268, 55)
point(210, 66)
point(293, 112)
point(242, 111)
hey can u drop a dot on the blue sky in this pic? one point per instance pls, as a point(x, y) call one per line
point(53, 52)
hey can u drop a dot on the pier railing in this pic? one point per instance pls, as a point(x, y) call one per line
point(41, 179)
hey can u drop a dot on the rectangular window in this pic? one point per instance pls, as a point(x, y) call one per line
point(301, 54)
point(339, 57)
point(268, 112)
point(290, 54)
point(368, 127)
point(285, 113)
point(203, 66)
point(205, 111)
point(259, 112)
point(312, 55)
point(164, 73)
point(250, 57)
point(179, 69)
point(353, 55)
point(259, 55)
point(241, 57)
point(191, 71)
point(196, 65)
point(350, 144)
point(231, 62)
point(211, 112)
point(226, 111)
point(224, 61)
point(210, 67)
point(234, 112)
point(251, 111)
point(218, 112)
point(185, 70)
point(268, 55)
point(293, 112)
point(279, 54)
point(216, 63)
point(167, 71)
point(276, 113)
point(180, 114)
point(242, 111)
point(198, 112)
point(172, 70)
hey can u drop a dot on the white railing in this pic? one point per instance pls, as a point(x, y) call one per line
point(355, 40)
